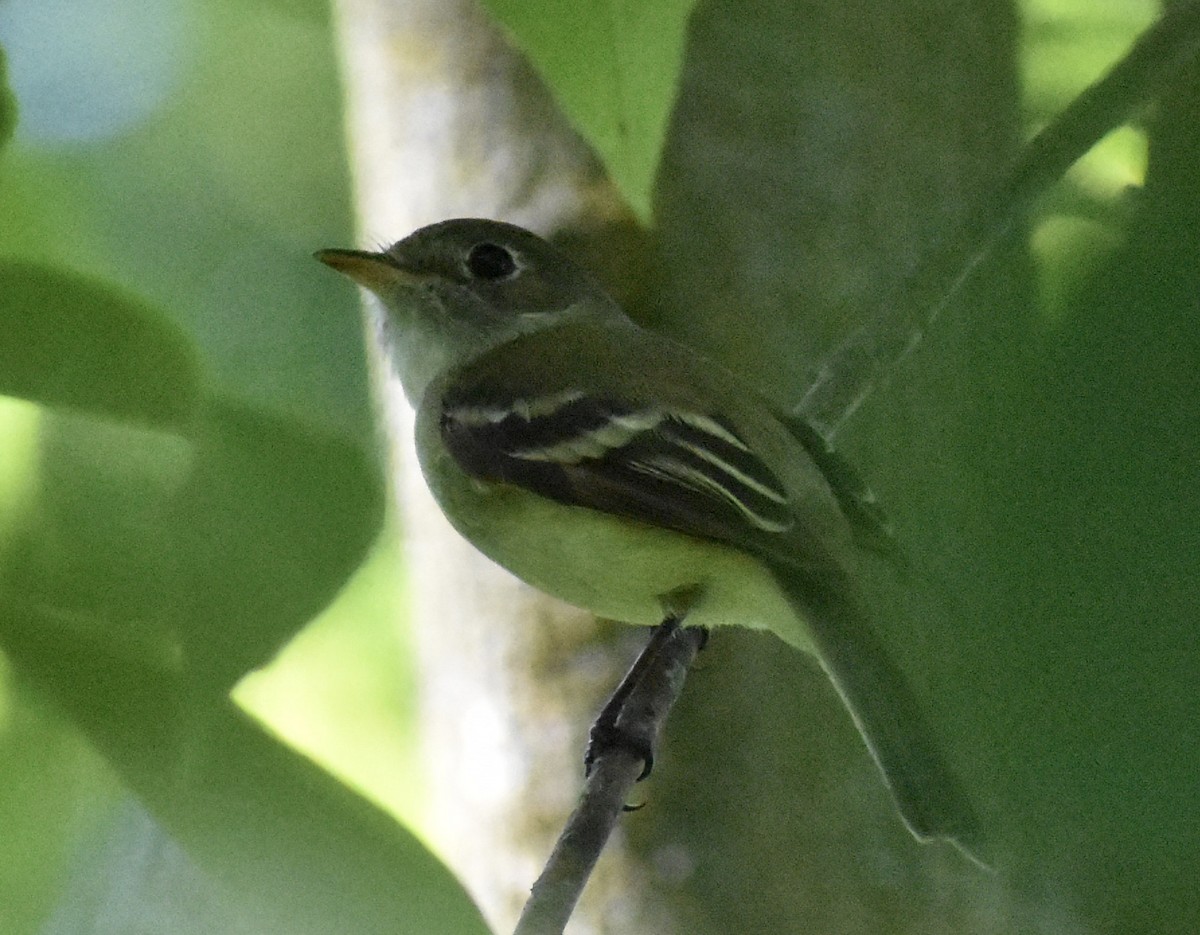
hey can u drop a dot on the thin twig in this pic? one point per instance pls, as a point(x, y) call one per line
point(849, 375)
point(614, 770)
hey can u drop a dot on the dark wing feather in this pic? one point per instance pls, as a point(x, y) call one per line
point(678, 469)
point(870, 524)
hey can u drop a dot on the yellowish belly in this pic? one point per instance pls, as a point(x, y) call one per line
point(615, 568)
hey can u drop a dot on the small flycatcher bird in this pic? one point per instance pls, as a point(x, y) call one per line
point(629, 475)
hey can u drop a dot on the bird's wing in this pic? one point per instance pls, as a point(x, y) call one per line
point(612, 420)
point(681, 469)
point(869, 522)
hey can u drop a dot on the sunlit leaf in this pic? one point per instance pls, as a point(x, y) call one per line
point(614, 67)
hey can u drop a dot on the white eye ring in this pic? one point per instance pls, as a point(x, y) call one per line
point(491, 262)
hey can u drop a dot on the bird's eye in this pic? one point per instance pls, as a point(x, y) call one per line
point(490, 261)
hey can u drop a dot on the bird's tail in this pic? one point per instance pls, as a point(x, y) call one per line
point(887, 714)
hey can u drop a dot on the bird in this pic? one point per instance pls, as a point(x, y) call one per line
point(628, 474)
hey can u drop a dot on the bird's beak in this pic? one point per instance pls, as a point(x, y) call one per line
point(374, 271)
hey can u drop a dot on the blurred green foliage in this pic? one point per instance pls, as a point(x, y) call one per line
point(189, 468)
point(1079, 222)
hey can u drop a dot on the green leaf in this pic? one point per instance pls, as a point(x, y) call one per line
point(614, 67)
point(217, 545)
point(69, 340)
point(8, 104)
point(148, 572)
point(296, 850)
point(272, 522)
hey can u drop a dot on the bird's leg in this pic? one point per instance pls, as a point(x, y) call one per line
point(636, 735)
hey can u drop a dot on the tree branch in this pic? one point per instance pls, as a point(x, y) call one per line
point(656, 685)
